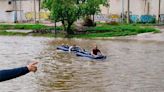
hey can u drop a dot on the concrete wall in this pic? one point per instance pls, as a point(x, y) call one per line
point(26, 6)
point(137, 7)
point(6, 16)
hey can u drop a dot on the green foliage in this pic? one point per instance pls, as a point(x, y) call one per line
point(68, 11)
point(93, 6)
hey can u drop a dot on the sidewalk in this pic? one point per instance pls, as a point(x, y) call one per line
point(20, 31)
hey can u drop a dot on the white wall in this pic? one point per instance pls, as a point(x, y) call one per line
point(6, 16)
point(115, 7)
point(27, 6)
point(137, 7)
point(162, 6)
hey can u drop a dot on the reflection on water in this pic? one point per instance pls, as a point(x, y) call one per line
point(131, 66)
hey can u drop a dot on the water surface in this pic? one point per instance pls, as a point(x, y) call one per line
point(131, 66)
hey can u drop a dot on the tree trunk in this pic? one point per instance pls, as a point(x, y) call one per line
point(93, 18)
point(63, 23)
point(69, 30)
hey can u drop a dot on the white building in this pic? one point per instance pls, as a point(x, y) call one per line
point(23, 10)
point(16, 10)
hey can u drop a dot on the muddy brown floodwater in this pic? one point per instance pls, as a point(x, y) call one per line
point(131, 66)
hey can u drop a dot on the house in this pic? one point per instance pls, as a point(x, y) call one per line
point(17, 10)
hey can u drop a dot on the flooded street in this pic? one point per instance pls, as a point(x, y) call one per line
point(131, 66)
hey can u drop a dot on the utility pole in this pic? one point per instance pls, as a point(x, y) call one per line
point(145, 6)
point(128, 12)
point(35, 11)
point(108, 6)
point(20, 6)
point(39, 9)
point(122, 11)
point(159, 11)
point(15, 14)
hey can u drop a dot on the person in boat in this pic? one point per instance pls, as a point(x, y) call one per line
point(65, 45)
point(17, 72)
point(95, 51)
point(74, 48)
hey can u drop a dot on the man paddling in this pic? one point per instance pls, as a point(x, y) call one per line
point(95, 51)
point(17, 72)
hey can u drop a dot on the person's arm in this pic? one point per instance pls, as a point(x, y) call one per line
point(92, 53)
point(13, 73)
point(99, 52)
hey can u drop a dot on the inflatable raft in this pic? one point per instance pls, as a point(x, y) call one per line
point(63, 48)
point(88, 55)
point(66, 48)
point(80, 53)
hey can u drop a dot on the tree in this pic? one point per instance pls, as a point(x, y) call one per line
point(69, 11)
point(93, 6)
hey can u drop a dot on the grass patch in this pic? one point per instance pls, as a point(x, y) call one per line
point(12, 33)
point(49, 35)
point(27, 27)
point(105, 30)
point(102, 30)
point(5, 33)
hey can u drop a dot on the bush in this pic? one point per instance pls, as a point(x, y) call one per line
point(88, 22)
point(113, 23)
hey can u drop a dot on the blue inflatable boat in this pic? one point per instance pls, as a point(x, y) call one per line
point(66, 48)
point(88, 55)
point(80, 53)
point(63, 48)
